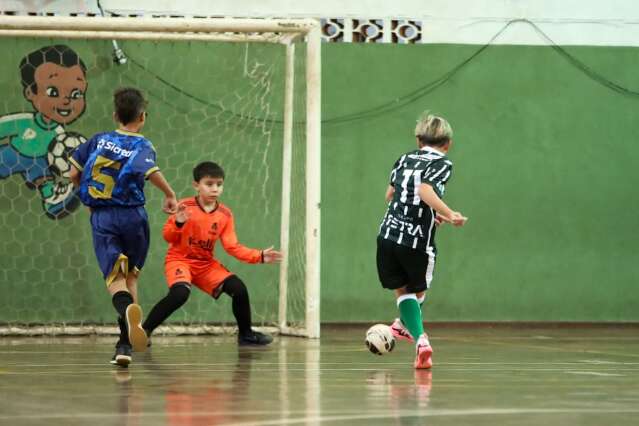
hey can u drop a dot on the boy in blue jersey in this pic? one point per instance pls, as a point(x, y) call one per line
point(110, 170)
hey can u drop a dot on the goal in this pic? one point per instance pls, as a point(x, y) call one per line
point(244, 93)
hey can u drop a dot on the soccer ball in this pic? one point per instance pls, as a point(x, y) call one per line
point(60, 148)
point(379, 339)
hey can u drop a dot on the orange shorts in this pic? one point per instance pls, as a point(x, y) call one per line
point(206, 275)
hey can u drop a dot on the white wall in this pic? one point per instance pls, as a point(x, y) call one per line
point(586, 22)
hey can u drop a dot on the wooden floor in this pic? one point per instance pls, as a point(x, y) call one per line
point(481, 376)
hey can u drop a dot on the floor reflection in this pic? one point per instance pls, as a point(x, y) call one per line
point(186, 397)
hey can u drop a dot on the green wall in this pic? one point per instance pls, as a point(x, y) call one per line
point(545, 166)
point(546, 163)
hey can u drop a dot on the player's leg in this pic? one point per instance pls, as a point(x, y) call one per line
point(419, 267)
point(236, 289)
point(398, 328)
point(114, 264)
point(122, 302)
point(133, 318)
point(178, 276)
point(393, 276)
point(215, 279)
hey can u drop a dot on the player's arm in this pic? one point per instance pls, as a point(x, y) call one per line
point(234, 248)
point(74, 176)
point(169, 205)
point(445, 213)
point(145, 164)
point(390, 191)
point(172, 230)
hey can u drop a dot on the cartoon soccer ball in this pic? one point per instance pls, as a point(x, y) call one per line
point(60, 148)
point(379, 339)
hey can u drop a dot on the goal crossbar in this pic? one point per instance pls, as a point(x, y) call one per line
point(160, 25)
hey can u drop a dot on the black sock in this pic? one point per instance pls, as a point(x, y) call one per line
point(234, 287)
point(121, 300)
point(178, 295)
point(124, 334)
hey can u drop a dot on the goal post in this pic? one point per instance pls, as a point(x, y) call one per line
point(261, 120)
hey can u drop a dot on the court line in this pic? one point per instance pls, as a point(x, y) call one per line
point(594, 373)
point(324, 418)
point(550, 348)
point(429, 413)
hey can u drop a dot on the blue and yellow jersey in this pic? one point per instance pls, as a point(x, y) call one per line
point(114, 166)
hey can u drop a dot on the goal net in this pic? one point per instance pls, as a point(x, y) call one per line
point(243, 93)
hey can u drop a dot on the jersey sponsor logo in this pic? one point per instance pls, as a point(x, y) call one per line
point(110, 146)
point(203, 244)
point(412, 229)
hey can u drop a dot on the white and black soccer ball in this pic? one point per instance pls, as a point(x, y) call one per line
point(60, 148)
point(379, 339)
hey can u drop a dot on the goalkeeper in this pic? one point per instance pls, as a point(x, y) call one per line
point(192, 233)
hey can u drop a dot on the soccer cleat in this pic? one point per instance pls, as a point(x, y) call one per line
point(424, 353)
point(254, 338)
point(399, 331)
point(122, 355)
point(137, 335)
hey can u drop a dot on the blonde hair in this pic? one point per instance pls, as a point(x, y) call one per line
point(433, 130)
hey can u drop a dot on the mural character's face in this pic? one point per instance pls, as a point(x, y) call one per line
point(60, 92)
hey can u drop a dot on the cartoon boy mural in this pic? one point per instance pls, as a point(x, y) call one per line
point(54, 82)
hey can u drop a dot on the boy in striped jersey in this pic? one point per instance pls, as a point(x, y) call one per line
point(406, 242)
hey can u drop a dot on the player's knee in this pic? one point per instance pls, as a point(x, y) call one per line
point(234, 287)
point(179, 293)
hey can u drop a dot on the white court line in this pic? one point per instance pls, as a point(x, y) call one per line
point(378, 365)
point(318, 417)
point(75, 372)
point(594, 373)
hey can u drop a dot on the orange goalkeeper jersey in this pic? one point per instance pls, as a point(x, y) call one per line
point(196, 238)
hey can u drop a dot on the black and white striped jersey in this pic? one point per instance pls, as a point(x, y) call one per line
point(408, 220)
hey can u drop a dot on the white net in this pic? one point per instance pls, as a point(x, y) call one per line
point(217, 101)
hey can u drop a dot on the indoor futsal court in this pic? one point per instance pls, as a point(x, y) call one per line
point(483, 376)
point(319, 213)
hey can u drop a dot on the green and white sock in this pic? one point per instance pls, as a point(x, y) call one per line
point(421, 300)
point(411, 314)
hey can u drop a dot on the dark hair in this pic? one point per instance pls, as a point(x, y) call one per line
point(58, 54)
point(207, 169)
point(128, 103)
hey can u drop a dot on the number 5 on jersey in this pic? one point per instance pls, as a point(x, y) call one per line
point(98, 175)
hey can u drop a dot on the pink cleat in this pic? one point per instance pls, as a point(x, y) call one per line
point(399, 331)
point(424, 352)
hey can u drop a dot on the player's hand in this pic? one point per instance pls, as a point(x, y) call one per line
point(440, 220)
point(182, 214)
point(457, 219)
point(270, 255)
point(169, 205)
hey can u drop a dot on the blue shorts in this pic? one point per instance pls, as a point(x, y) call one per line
point(31, 168)
point(120, 239)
